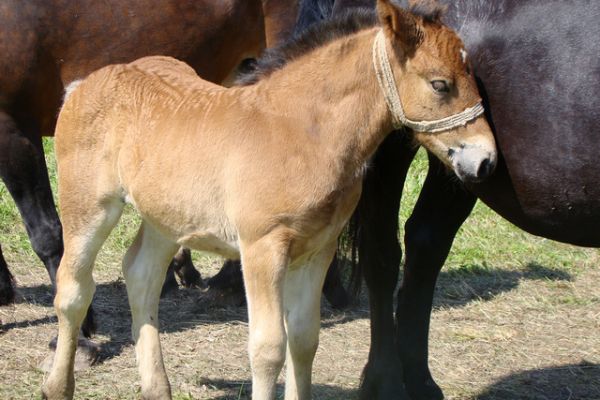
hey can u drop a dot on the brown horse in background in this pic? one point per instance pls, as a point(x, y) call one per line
point(46, 45)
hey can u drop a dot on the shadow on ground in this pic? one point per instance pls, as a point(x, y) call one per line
point(458, 287)
point(565, 382)
point(180, 310)
point(242, 390)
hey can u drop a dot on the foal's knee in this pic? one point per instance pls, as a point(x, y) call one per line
point(267, 352)
point(303, 339)
point(73, 298)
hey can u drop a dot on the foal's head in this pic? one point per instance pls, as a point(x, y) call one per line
point(435, 81)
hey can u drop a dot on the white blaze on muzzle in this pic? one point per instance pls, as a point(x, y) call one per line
point(387, 83)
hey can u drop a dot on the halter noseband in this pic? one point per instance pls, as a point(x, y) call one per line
point(387, 83)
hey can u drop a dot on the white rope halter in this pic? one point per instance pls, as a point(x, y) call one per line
point(385, 77)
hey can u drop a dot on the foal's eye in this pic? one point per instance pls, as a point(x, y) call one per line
point(440, 86)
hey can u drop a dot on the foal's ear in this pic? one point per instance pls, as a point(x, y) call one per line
point(399, 24)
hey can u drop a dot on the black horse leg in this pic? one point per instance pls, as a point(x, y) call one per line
point(7, 293)
point(183, 267)
point(442, 207)
point(333, 287)
point(23, 170)
point(379, 260)
point(229, 278)
point(229, 281)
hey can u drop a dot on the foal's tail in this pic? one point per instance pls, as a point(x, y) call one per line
point(349, 250)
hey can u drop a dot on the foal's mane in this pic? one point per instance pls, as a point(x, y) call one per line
point(315, 36)
point(321, 33)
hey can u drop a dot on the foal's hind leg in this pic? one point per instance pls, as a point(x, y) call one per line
point(86, 229)
point(302, 295)
point(144, 267)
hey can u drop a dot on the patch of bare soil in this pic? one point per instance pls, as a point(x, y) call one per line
point(530, 333)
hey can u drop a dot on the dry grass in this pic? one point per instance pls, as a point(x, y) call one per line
point(516, 317)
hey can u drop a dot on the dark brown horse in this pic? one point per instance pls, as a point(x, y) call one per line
point(540, 77)
point(46, 45)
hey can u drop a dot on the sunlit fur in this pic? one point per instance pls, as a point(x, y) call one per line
point(269, 172)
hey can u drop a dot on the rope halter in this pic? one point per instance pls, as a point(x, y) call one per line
point(387, 83)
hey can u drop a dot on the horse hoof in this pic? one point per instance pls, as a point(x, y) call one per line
point(226, 297)
point(86, 355)
point(429, 390)
point(7, 291)
point(190, 278)
point(383, 382)
point(396, 391)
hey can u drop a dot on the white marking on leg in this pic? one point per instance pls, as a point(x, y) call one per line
point(144, 267)
point(302, 294)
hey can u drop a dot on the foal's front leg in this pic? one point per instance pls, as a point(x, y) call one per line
point(264, 267)
point(144, 267)
point(302, 301)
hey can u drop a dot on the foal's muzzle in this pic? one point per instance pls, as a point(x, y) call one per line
point(473, 163)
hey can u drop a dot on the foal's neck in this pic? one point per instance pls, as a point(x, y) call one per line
point(333, 99)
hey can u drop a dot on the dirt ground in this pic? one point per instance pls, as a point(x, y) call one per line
point(515, 333)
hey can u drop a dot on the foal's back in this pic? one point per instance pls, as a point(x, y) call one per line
point(132, 128)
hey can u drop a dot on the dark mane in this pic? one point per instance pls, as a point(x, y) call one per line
point(314, 37)
point(428, 10)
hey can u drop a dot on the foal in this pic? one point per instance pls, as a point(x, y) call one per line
point(269, 172)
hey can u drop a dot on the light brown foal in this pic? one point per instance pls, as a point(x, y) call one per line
point(269, 172)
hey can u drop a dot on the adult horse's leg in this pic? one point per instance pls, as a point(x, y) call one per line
point(23, 170)
point(379, 260)
point(442, 207)
point(229, 280)
point(302, 307)
point(183, 267)
point(144, 268)
point(7, 293)
point(333, 288)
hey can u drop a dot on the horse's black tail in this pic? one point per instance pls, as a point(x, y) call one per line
point(348, 252)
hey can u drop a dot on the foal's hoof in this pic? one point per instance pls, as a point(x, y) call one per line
point(86, 355)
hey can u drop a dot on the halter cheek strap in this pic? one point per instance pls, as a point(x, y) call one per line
point(387, 83)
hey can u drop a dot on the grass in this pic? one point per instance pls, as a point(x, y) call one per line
point(516, 317)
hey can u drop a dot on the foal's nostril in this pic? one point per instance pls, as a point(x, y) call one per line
point(485, 169)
